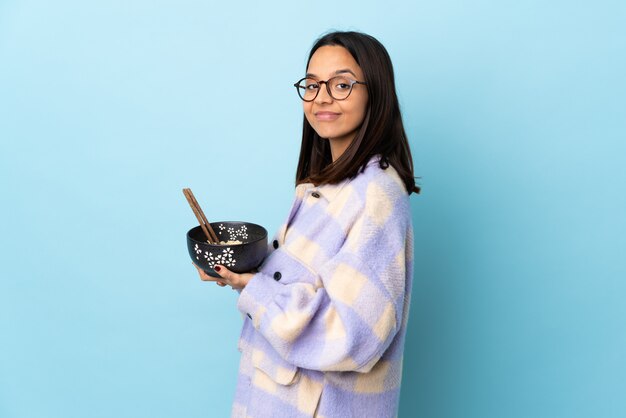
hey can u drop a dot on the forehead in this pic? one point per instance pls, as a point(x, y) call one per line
point(327, 60)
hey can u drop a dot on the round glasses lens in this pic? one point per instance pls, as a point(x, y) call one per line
point(308, 88)
point(340, 87)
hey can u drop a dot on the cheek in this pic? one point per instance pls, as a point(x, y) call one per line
point(358, 113)
point(357, 104)
point(308, 111)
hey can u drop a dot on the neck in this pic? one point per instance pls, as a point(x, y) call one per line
point(339, 145)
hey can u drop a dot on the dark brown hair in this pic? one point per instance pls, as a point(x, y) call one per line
point(381, 132)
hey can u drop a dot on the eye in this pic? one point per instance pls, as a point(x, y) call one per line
point(341, 84)
point(309, 84)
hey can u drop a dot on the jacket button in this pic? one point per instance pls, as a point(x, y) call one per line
point(275, 244)
point(277, 276)
point(315, 195)
point(249, 316)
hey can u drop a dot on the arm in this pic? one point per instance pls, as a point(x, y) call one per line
point(344, 315)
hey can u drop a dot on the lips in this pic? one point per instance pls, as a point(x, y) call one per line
point(326, 116)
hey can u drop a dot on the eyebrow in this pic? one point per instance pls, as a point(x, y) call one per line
point(344, 70)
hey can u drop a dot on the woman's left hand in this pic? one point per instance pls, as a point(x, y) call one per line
point(234, 280)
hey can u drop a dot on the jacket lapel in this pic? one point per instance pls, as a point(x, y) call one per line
point(300, 190)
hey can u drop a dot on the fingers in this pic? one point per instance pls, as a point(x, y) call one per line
point(232, 279)
point(222, 271)
point(203, 276)
point(229, 278)
point(206, 278)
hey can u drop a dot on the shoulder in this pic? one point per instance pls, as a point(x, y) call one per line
point(376, 184)
point(383, 219)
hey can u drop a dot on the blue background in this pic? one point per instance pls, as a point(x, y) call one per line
point(517, 119)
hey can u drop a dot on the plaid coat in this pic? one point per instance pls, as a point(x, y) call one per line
point(326, 315)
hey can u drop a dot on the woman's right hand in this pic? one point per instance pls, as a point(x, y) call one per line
point(206, 278)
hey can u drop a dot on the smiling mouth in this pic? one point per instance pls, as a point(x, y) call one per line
point(326, 116)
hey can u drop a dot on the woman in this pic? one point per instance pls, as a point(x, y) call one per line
point(326, 312)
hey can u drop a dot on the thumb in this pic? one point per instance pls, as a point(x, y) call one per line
point(223, 271)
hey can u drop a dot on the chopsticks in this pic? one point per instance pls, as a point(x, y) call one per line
point(204, 223)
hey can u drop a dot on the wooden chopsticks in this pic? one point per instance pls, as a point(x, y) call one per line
point(204, 223)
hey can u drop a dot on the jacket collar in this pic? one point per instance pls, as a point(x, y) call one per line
point(328, 191)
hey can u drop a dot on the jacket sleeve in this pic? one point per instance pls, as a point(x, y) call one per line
point(343, 315)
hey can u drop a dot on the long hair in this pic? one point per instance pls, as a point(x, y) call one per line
point(381, 132)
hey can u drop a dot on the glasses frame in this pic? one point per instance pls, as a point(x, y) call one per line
point(352, 83)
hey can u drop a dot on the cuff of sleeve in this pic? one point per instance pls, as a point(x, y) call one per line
point(279, 270)
point(258, 293)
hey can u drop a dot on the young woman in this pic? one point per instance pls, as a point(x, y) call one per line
point(326, 313)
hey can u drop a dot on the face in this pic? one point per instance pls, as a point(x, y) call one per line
point(337, 120)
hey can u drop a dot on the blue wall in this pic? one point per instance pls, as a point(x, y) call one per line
point(517, 119)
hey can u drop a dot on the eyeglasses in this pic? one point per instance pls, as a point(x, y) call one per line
point(339, 88)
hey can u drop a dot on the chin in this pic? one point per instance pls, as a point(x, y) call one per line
point(328, 133)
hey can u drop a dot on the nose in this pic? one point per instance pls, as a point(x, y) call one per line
point(323, 96)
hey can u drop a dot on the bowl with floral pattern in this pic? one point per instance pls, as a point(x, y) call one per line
point(242, 247)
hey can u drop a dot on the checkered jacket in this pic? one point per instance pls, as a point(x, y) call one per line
point(325, 317)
